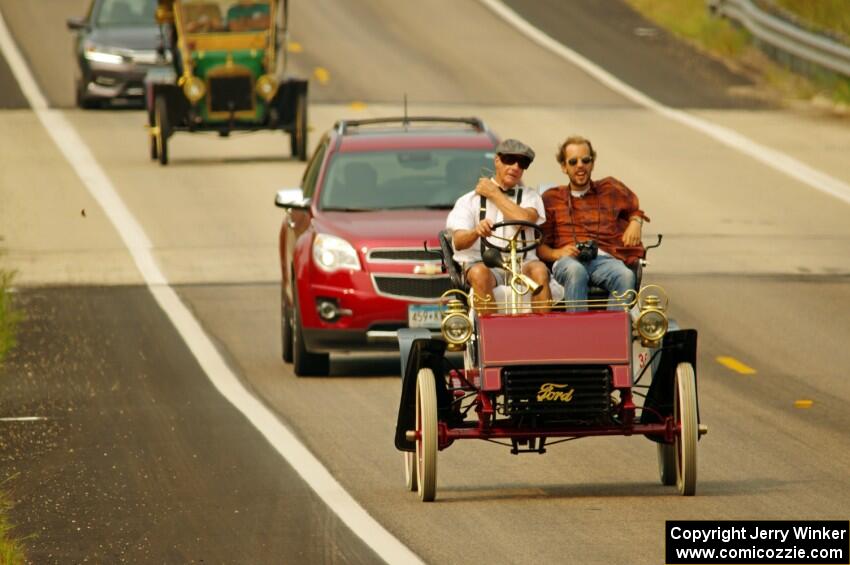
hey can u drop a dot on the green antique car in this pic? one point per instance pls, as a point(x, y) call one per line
point(228, 73)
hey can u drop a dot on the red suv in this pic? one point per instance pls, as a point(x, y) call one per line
point(353, 264)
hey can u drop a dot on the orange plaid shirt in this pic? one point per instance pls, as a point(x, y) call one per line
point(602, 214)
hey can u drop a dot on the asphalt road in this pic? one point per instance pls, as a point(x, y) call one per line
point(136, 458)
point(753, 259)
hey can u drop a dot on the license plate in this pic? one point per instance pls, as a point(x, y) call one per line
point(423, 316)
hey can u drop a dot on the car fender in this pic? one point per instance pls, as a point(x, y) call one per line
point(418, 351)
point(678, 346)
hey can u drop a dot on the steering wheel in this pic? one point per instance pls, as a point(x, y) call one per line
point(538, 236)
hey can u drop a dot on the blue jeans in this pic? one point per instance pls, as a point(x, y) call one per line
point(605, 271)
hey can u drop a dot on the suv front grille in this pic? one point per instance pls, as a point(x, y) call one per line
point(407, 255)
point(228, 93)
point(567, 393)
point(428, 288)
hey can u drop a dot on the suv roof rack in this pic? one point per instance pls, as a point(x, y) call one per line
point(342, 126)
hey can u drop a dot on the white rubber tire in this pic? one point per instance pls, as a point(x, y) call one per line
point(685, 413)
point(426, 425)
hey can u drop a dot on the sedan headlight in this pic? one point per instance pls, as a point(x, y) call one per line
point(331, 253)
point(98, 54)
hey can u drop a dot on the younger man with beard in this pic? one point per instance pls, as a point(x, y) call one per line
point(605, 212)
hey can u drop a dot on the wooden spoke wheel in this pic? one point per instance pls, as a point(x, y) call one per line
point(426, 425)
point(667, 463)
point(410, 477)
point(685, 413)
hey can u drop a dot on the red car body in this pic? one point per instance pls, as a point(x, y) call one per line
point(365, 304)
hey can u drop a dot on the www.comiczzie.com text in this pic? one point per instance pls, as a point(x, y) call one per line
point(757, 542)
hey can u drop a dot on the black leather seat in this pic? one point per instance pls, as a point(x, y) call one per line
point(449, 264)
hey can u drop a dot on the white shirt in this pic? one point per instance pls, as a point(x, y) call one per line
point(465, 216)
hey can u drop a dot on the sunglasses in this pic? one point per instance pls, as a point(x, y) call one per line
point(586, 160)
point(523, 161)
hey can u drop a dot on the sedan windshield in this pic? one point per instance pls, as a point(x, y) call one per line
point(402, 179)
point(126, 13)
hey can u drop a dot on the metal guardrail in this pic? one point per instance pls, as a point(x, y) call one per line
point(785, 37)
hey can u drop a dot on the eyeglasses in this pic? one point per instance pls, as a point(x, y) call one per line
point(523, 161)
point(586, 160)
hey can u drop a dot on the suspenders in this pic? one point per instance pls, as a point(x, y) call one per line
point(483, 214)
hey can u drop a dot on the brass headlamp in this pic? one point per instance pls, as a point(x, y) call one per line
point(456, 324)
point(651, 322)
point(266, 87)
point(193, 87)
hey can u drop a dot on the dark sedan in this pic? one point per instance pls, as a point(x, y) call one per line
point(115, 45)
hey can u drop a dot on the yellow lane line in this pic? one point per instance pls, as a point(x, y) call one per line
point(803, 403)
point(322, 75)
point(294, 47)
point(357, 105)
point(735, 365)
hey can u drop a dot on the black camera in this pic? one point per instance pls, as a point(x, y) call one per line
point(587, 251)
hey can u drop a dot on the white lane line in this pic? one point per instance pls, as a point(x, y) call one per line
point(23, 419)
point(278, 435)
point(774, 159)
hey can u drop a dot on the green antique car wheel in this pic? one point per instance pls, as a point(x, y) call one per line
point(154, 147)
point(298, 135)
point(161, 129)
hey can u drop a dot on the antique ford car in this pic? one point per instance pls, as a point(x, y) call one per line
point(228, 73)
point(608, 365)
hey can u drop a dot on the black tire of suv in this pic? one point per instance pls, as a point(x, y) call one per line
point(304, 363)
point(285, 331)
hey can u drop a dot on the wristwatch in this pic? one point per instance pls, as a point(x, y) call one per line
point(637, 219)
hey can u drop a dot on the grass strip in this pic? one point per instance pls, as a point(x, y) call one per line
point(830, 16)
point(11, 549)
point(691, 21)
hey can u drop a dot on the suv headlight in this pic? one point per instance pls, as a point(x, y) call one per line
point(331, 253)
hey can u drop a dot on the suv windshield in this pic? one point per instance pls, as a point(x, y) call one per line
point(402, 179)
point(126, 13)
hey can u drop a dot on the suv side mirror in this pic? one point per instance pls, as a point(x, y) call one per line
point(291, 198)
point(77, 24)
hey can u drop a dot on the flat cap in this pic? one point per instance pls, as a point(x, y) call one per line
point(515, 147)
